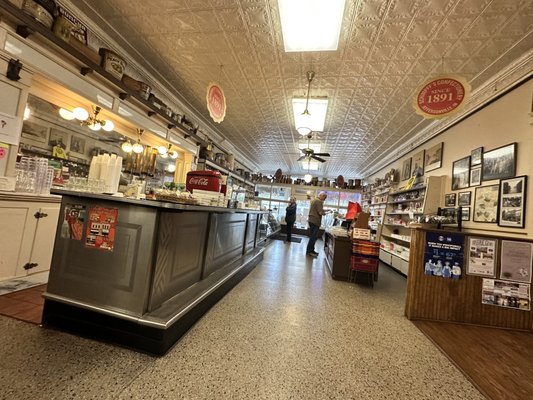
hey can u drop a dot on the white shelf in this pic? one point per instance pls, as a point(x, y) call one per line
point(397, 238)
point(406, 201)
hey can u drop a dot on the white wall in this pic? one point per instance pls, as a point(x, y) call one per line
point(506, 120)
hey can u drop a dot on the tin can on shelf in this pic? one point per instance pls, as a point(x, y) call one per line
point(42, 11)
point(112, 63)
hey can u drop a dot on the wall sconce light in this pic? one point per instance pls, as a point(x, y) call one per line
point(138, 147)
point(92, 121)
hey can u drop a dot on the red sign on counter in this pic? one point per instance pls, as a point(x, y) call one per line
point(101, 228)
point(441, 96)
point(216, 102)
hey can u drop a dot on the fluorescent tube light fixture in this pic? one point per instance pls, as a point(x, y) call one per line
point(314, 118)
point(311, 25)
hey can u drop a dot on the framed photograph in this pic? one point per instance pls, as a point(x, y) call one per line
point(482, 253)
point(486, 203)
point(449, 199)
point(516, 261)
point(406, 169)
point(58, 138)
point(77, 145)
point(34, 131)
point(464, 198)
point(417, 165)
point(513, 202)
point(499, 163)
point(476, 156)
point(465, 213)
point(475, 176)
point(461, 173)
point(433, 159)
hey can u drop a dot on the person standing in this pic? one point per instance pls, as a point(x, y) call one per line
point(316, 211)
point(290, 217)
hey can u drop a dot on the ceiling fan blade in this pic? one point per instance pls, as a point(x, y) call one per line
point(302, 157)
point(322, 154)
point(317, 158)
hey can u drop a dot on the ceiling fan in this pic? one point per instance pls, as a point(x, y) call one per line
point(309, 153)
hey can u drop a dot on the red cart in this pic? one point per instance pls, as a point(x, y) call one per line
point(365, 259)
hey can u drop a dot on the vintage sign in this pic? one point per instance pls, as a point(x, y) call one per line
point(441, 96)
point(10, 127)
point(216, 102)
point(444, 254)
point(101, 228)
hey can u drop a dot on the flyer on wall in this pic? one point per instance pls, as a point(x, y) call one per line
point(101, 228)
point(72, 227)
point(482, 256)
point(516, 261)
point(506, 294)
point(444, 254)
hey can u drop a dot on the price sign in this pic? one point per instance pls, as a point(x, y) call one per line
point(441, 96)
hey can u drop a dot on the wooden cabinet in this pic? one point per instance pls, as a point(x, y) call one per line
point(338, 251)
point(27, 235)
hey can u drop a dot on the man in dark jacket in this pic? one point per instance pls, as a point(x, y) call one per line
point(290, 217)
point(316, 211)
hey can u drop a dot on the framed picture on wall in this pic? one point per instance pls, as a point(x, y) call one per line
point(34, 131)
point(499, 163)
point(476, 156)
point(58, 138)
point(449, 199)
point(417, 165)
point(475, 176)
point(77, 145)
point(465, 213)
point(486, 202)
point(515, 260)
point(433, 159)
point(406, 169)
point(461, 173)
point(513, 202)
point(464, 199)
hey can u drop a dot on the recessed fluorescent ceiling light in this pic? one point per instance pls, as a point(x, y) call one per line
point(311, 25)
point(317, 113)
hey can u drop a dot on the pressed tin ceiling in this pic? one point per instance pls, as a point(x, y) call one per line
point(387, 48)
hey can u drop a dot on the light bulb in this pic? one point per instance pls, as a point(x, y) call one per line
point(303, 131)
point(171, 167)
point(80, 113)
point(164, 155)
point(126, 147)
point(137, 148)
point(173, 154)
point(308, 178)
point(162, 150)
point(66, 114)
point(108, 126)
point(27, 113)
point(95, 126)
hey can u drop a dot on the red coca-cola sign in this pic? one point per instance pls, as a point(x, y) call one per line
point(441, 96)
point(216, 102)
point(203, 180)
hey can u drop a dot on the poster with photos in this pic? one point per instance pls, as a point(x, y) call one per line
point(506, 294)
point(482, 253)
point(513, 202)
point(516, 259)
point(444, 254)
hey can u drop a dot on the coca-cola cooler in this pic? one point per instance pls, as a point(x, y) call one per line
point(203, 180)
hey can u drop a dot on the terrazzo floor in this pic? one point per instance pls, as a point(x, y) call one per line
point(287, 331)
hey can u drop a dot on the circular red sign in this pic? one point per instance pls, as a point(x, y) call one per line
point(441, 96)
point(216, 103)
point(2, 152)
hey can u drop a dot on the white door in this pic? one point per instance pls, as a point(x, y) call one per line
point(43, 244)
point(15, 238)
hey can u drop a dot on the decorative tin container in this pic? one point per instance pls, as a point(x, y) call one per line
point(137, 86)
point(43, 11)
point(113, 63)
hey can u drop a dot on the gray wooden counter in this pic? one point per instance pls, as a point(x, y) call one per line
point(169, 264)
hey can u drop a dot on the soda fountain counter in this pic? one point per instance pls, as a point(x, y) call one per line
point(140, 273)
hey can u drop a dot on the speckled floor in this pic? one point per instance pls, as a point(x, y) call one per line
point(287, 331)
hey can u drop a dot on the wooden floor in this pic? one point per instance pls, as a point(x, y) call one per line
point(499, 362)
point(26, 304)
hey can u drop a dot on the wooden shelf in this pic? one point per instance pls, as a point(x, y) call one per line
point(406, 201)
point(396, 238)
point(403, 213)
point(407, 190)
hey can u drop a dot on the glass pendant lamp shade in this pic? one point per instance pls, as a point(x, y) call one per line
point(162, 150)
point(66, 114)
point(308, 178)
point(173, 154)
point(171, 168)
point(137, 148)
point(108, 126)
point(95, 126)
point(80, 113)
point(127, 147)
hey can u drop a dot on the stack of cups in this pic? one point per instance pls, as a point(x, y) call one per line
point(34, 175)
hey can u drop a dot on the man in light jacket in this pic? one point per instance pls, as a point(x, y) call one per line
point(316, 211)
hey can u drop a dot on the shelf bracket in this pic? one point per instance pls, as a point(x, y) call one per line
point(23, 31)
point(123, 96)
point(170, 126)
point(185, 136)
point(85, 70)
point(151, 113)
